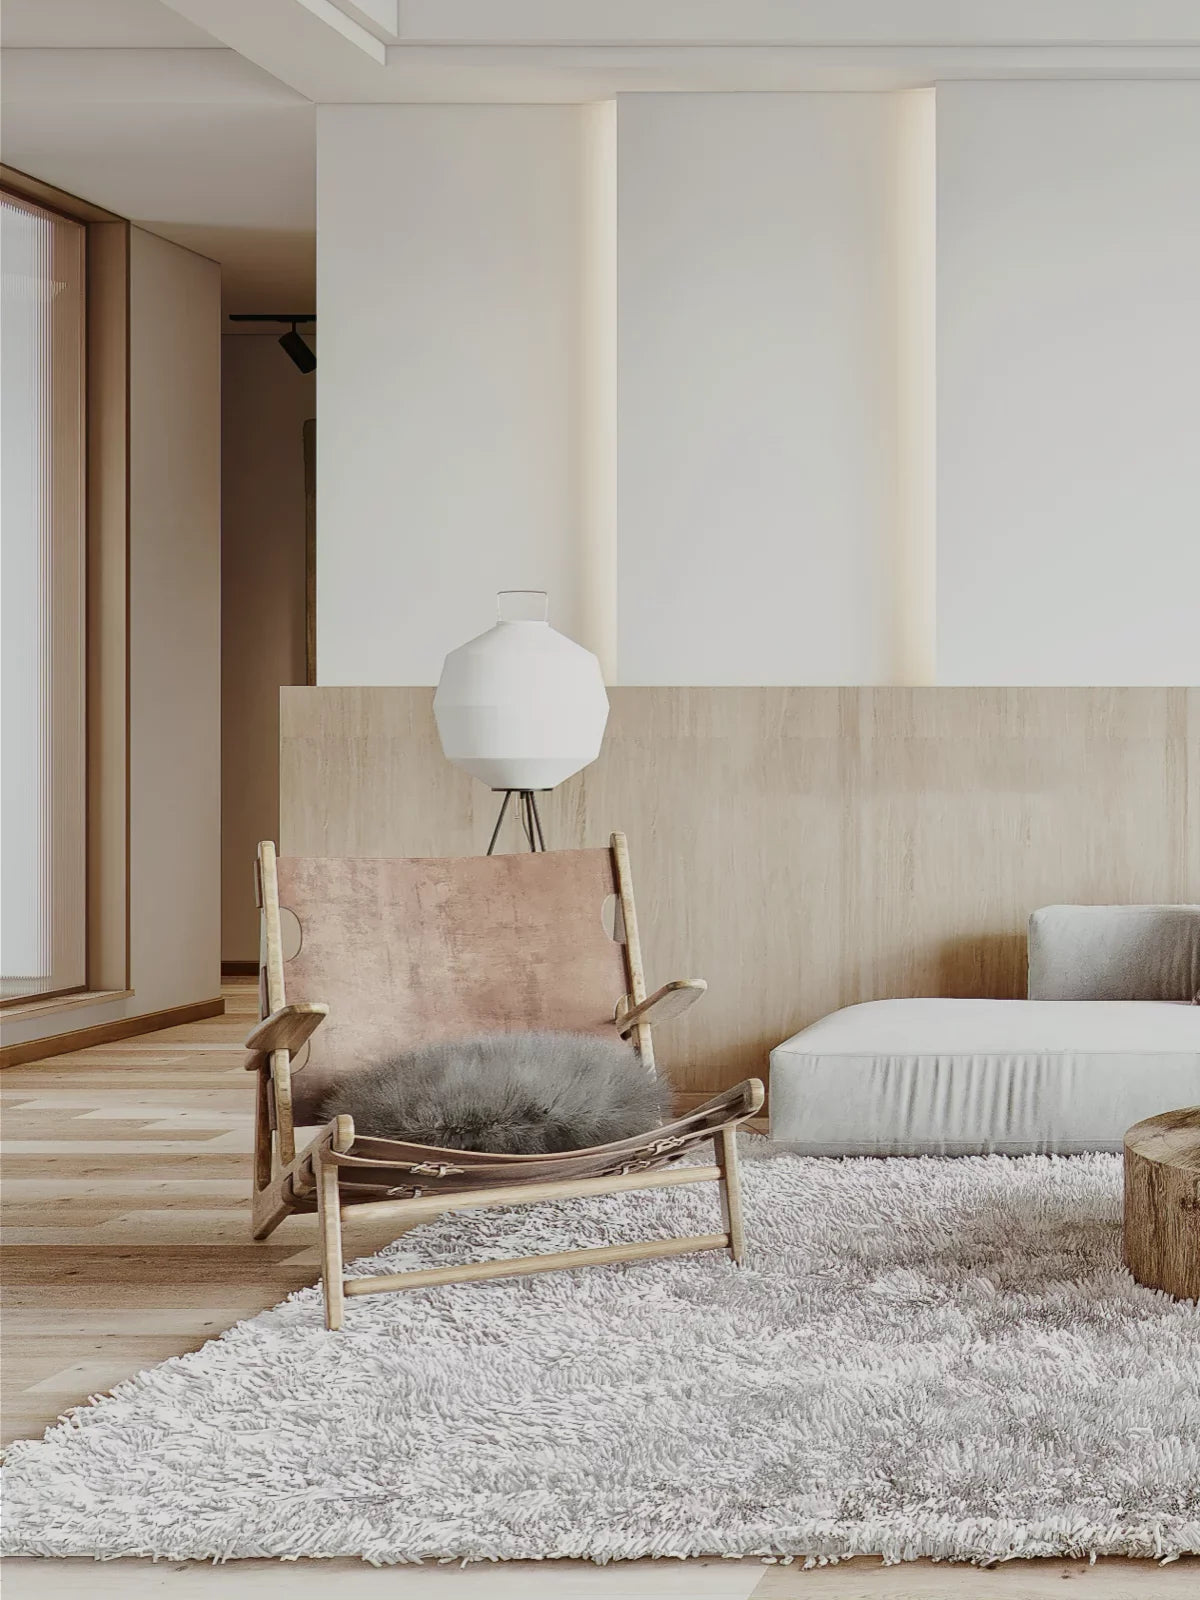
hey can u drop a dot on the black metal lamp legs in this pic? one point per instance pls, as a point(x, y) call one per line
point(531, 822)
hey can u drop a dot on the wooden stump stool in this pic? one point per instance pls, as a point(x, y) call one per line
point(1162, 1202)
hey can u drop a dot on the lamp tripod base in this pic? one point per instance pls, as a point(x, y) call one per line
point(527, 811)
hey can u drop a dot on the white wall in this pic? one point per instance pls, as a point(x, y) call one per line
point(265, 401)
point(448, 290)
point(710, 398)
point(1068, 361)
point(757, 388)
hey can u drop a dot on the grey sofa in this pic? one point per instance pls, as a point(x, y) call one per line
point(1108, 1035)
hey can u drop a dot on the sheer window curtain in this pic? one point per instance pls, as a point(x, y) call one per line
point(43, 910)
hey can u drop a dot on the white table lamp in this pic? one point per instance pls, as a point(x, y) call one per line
point(521, 707)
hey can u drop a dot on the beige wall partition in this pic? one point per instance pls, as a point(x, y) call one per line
point(804, 848)
point(175, 623)
point(265, 403)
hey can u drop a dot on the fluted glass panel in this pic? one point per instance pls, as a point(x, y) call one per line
point(42, 596)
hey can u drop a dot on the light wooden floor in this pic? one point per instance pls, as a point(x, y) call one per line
point(126, 1172)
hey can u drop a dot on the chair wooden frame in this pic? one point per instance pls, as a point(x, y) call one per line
point(341, 1175)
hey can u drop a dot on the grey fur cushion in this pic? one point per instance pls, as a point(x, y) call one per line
point(508, 1093)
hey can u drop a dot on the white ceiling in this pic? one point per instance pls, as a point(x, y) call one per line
point(235, 183)
point(374, 51)
point(129, 106)
point(98, 25)
point(196, 118)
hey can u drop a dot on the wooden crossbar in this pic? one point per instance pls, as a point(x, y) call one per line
point(288, 1189)
point(523, 1194)
point(521, 1266)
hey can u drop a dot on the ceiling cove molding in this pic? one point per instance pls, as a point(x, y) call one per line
point(635, 23)
point(433, 73)
point(379, 17)
point(314, 46)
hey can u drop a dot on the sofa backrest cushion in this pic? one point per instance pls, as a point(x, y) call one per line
point(1114, 953)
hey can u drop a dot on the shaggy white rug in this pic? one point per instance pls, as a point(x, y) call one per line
point(922, 1357)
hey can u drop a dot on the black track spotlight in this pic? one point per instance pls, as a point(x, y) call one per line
point(299, 352)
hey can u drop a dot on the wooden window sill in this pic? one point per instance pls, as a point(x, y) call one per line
point(63, 1002)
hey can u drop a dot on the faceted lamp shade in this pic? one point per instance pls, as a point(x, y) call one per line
point(521, 706)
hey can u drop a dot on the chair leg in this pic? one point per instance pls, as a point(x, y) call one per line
point(268, 1209)
point(725, 1150)
point(262, 1130)
point(330, 1218)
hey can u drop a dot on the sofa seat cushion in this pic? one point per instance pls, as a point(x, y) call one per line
point(962, 1077)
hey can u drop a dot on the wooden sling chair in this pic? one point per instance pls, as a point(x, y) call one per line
point(388, 955)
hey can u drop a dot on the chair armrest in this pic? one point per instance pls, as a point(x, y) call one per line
point(287, 1028)
point(743, 1101)
point(666, 1002)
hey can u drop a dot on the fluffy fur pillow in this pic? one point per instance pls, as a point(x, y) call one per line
point(508, 1093)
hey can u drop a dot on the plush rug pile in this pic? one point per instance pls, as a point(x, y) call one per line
point(921, 1357)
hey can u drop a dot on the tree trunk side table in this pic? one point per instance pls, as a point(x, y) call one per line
point(1162, 1202)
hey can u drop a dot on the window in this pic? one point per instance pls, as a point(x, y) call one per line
point(43, 811)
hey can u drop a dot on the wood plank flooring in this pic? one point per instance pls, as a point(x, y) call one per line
point(126, 1175)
